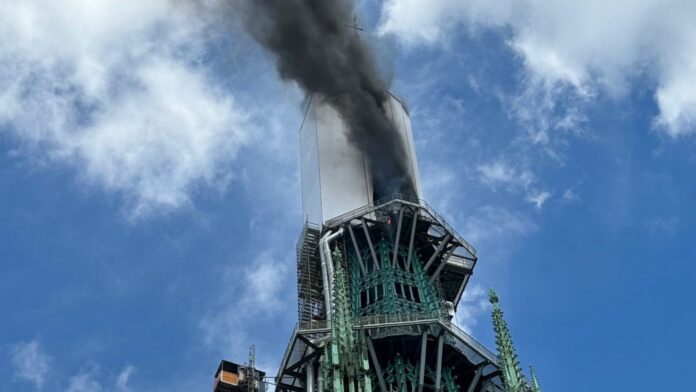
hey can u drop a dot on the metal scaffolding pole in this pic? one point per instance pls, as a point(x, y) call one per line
point(477, 377)
point(309, 375)
point(410, 242)
point(378, 368)
point(438, 368)
point(421, 370)
point(357, 249)
point(437, 252)
point(369, 242)
point(395, 252)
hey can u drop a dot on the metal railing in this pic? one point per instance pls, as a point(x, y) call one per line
point(387, 320)
point(314, 325)
point(372, 321)
point(467, 339)
point(401, 198)
point(391, 319)
point(461, 262)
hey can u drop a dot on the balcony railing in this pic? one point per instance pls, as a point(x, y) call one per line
point(395, 320)
point(400, 198)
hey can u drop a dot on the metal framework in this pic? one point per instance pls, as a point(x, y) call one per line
point(394, 272)
point(310, 300)
point(420, 235)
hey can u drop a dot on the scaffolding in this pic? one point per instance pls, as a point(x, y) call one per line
point(310, 298)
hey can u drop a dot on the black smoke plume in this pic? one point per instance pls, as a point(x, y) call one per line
point(315, 45)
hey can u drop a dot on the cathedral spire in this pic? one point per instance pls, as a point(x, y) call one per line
point(509, 364)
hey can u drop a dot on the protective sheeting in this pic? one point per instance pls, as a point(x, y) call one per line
point(336, 176)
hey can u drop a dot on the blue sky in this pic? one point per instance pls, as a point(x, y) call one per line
point(150, 189)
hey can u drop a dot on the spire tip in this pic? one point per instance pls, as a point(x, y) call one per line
point(492, 296)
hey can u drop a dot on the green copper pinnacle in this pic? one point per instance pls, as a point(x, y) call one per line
point(348, 359)
point(535, 383)
point(513, 381)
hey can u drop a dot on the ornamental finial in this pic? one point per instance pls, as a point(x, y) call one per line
point(492, 296)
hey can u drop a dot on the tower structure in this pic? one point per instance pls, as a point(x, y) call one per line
point(379, 277)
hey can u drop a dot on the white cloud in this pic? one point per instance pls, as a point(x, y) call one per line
point(515, 179)
point(258, 292)
point(117, 90)
point(587, 45)
point(493, 225)
point(30, 363)
point(677, 101)
point(94, 380)
point(473, 305)
point(538, 199)
point(123, 378)
point(266, 277)
point(662, 225)
point(415, 23)
point(84, 382)
point(539, 110)
point(500, 172)
point(570, 196)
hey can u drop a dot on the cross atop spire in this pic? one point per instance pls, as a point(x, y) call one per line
point(355, 25)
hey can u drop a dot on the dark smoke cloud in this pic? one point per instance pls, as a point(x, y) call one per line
point(314, 45)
